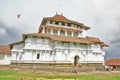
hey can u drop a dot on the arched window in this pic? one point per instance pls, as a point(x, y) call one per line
point(76, 60)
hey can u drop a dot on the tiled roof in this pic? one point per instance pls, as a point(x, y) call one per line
point(112, 62)
point(71, 39)
point(59, 28)
point(62, 18)
point(15, 43)
point(4, 49)
point(87, 40)
point(94, 39)
point(104, 44)
point(61, 38)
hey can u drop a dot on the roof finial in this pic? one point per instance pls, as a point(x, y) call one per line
point(56, 13)
point(62, 14)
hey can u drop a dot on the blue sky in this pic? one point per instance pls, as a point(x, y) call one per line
point(103, 16)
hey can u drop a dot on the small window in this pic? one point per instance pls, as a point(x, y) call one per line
point(62, 33)
point(38, 56)
point(55, 31)
point(50, 53)
point(80, 27)
point(69, 24)
point(56, 23)
point(63, 23)
point(69, 33)
point(50, 22)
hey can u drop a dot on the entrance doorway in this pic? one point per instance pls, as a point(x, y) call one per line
point(76, 60)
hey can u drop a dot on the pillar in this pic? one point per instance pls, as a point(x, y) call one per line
point(51, 31)
point(72, 34)
point(58, 32)
point(66, 33)
point(43, 31)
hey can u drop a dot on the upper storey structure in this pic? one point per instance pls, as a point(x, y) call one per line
point(62, 26)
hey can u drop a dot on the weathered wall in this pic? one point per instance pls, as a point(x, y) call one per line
point(5, 59)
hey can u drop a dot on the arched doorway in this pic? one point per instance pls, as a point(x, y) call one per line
point(76, 60)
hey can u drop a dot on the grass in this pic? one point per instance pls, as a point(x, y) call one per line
point(12, 75)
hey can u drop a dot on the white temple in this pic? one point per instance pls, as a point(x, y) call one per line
point(59, 40)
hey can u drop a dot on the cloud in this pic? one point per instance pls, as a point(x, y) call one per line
point(105, 18)
point(114, 41)
point(8, 34)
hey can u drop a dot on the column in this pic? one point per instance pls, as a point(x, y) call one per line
point(43, 31)
point(65, 33)
point(84, 33)
point(58, 32)
point(72, 34)
point(79, 34)
point(51, 31)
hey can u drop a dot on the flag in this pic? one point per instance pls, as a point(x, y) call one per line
point(18, 16)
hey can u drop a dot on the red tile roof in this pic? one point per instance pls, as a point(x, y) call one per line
point(104, 44)
point(61, 38)
point(97, 40)
point(94, 39)
point(87, 40)
point(4, 49)
point(113, 62)
point(62, 18)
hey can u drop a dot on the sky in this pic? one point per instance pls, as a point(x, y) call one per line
point(102, 16)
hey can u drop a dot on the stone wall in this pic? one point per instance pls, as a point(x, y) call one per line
point(54, 67)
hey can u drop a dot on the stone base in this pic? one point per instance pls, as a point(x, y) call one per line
point(93, 66)
point(56, 67)
point(39, 65)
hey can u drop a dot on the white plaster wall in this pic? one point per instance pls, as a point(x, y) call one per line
point(17, 51)
point(5, 59)
point(64, 51)
point(18, 47)
point(38, 43)
point(95, 47)
point(45, 56)
point(58, 56)
point(28, 55)
point(83, 34)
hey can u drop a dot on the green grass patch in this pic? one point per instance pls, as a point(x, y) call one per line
point(12, 75)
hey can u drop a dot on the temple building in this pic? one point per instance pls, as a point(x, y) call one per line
point(58, 40)
point(5, 55)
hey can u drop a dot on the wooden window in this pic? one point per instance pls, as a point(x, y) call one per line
point(56, 23)
point(55, 31)
point(38, 56)
point(50, 22)
point(69, 24)
point(48, 31)
point(62, 33)
point(69, 33)
point(63, 23)
point(76, 34)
